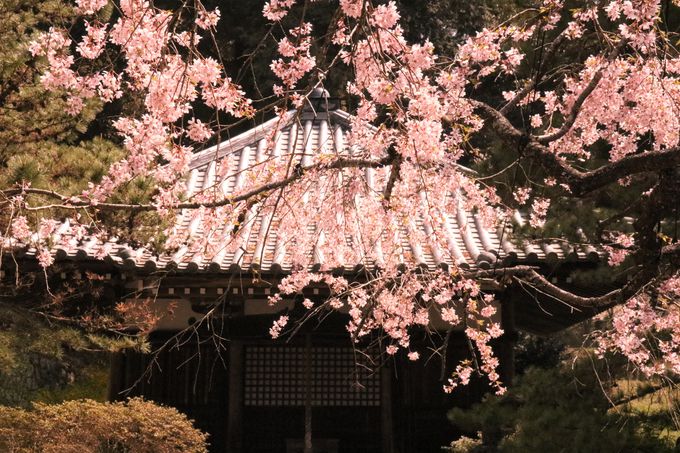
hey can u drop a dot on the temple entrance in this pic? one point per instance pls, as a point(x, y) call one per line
point(257, 395)
point(318, 395)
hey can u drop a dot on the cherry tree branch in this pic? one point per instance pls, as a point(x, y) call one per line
point(579, 182)
point(530, 275)
point(599, 302)
point(578, 103)
point(394, 174)
point(531, 84)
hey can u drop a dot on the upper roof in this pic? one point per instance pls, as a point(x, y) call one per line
point(470, 244)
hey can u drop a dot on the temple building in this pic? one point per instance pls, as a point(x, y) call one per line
point(253, 394)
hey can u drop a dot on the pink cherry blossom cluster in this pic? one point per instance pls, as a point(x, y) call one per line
point(169, 82)
point(611, 116)
point(278, 326)
point(522, 194)
point(646, 330)
point(640, 16)
point(397, 301)
point(89, 7)
point(461, 376)
point(42, 238)
point(208, 19)
point(539, 211)
point(298, 61)
point(275, 10)
point(352, 8)
point(94, 40)
point(620, 248)
point(198, 131)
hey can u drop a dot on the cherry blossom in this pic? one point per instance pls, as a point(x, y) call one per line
point(539, 210)
point(93, 43)
point(522, 194)
point(278, 326)
point(647, 332)
point(298, 59)
point(89, 7)
point(198, 131)
point(275, 10)
point(21, 229)
point(208, 19)
point(45, 258)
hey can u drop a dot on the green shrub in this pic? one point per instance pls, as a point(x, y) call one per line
point(556, 410)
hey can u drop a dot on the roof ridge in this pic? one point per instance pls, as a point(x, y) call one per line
point(246, 138)
point(259, 132)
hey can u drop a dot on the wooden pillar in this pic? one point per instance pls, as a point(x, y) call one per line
point(235, 404)
point(506, 343)
point(386, 428)
point(505, 351)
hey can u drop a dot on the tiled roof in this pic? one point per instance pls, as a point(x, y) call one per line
point(469, 243)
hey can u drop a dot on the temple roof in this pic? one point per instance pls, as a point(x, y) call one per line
point(470, 244)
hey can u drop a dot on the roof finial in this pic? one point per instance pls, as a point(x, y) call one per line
point(318, 103)
point(319, 93)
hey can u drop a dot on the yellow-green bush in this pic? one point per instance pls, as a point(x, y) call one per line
point(87, 426)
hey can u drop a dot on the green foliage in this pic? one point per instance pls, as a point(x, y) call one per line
point(446, 23)
point(49, 362)
point(557, 410)
point(89, 426)
point(63, 168)
point(539, 352)
point(91, 383)
point(30, 117)
point(656, 402)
